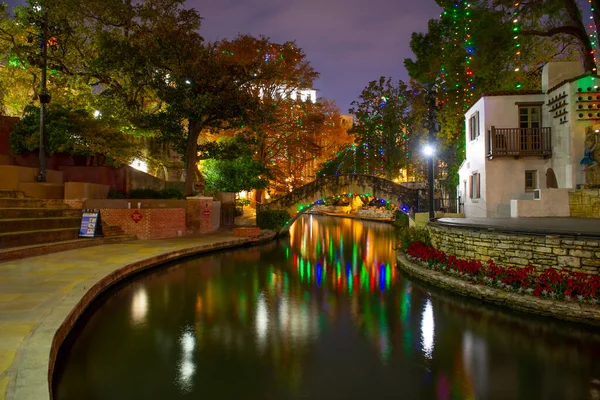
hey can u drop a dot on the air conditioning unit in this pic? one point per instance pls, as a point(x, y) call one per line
point(537, 194)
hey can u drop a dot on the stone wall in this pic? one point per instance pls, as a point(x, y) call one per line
point(519, 249)
point(584, 203)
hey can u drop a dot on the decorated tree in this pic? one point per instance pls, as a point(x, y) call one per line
point(381, 128)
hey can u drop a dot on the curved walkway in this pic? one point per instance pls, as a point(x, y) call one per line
point(41, 297)
point(567, 311)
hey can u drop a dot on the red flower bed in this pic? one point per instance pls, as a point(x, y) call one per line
point(562, 284)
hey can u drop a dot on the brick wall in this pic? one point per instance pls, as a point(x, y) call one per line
point(584, 203)
point(152, 223)
point(519, 249)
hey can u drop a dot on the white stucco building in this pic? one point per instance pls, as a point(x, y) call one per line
point(520, 143)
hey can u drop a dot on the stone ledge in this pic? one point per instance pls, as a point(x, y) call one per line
point(567, 311)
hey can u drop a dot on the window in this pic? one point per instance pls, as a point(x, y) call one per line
point(474, 126)
point(530, 124)
point(474, 186)
point(530, 116)
point(531, 180)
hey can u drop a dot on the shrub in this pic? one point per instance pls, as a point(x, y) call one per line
point(407, 236)
point(400, 219)
point(156, 194)
point(239, 212)
point(115, 194)
point(272, 219)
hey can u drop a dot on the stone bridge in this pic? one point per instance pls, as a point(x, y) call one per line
point(304, 197)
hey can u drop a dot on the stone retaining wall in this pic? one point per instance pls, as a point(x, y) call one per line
point(584, 203)
point(519, 249)
point(568, 311)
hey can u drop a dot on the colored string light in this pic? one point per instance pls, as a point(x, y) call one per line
point(516, 30)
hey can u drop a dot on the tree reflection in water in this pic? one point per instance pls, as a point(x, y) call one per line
point(323, 314)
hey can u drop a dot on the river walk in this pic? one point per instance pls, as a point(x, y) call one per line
point(37, 294)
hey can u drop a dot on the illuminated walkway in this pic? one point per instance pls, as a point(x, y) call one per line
point(37, 294)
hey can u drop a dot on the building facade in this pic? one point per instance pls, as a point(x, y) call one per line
point(523, 146)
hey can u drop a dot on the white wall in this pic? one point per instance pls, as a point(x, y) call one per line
point(475, 162)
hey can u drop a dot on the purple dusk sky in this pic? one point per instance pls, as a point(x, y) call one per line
point(349, 42)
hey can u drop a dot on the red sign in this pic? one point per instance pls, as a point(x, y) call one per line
point(136, 216)
point(206, 212)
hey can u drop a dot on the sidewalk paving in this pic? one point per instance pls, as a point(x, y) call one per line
point(565, 226)
point(37, 294)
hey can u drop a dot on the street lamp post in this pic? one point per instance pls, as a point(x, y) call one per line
point(44, 99)
point(432, 125)
point(430, 153)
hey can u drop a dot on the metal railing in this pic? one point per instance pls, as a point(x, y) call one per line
point(519, 142)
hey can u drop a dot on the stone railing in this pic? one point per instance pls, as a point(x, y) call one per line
point(519, 249)
point(584, 203)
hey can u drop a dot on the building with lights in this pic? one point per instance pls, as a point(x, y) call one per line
point(526, 150)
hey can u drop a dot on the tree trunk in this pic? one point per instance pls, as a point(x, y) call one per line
point(191, 155)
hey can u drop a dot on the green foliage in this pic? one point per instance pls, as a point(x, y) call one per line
point(406, 236)
point(272, 219)
point(239, 212)
point(242, 173)
point(73, 131)
point(115, 194)
point(242, 202)
point(400, 219)
point(381, 136)
point(156, 194)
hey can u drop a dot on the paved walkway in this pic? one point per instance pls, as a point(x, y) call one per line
point(37, 294)
point(585, 227)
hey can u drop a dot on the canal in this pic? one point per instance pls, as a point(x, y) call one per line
point(321, 314)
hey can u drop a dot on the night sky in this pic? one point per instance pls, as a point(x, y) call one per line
point(349, 42)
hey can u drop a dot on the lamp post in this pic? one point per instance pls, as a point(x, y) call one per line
point(433, 126)
point(429, 152)
point(44, 99)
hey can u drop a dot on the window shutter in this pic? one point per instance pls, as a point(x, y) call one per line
point(471, 186)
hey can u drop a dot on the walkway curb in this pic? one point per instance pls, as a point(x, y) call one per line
point(566, 311)
point(32, 370)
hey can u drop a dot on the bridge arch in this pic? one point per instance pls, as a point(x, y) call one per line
point(303, 198)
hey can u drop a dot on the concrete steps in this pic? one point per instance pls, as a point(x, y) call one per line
point(15, 239)
point(15, 225)
point(31, 203)
point(44, 226)
point(10, 213)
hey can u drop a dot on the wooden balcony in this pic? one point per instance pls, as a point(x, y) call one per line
point(519, 142)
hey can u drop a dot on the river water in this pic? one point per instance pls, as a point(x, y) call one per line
point(322, 314)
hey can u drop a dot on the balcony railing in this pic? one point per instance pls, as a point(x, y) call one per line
point(519, 142)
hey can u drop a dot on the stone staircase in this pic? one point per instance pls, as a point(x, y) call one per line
point(39, 226)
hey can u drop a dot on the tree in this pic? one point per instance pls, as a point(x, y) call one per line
point(381, 128)
point(236, 175)
point(467, 58)
point(72, 131)
point(555, 18)
point(226, 85)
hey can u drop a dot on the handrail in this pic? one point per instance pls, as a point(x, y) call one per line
point(519, 142)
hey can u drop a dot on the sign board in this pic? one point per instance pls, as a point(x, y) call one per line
point(206, 212)
point(91, 224)
point(137, 216)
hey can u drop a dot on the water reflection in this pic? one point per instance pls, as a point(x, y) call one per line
point(323, 314)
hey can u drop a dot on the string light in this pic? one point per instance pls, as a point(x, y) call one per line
point(516, 29)
point(593, 34)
